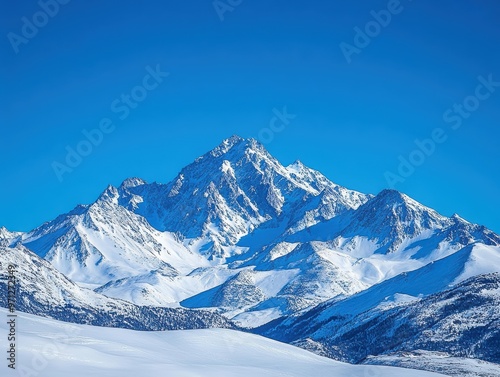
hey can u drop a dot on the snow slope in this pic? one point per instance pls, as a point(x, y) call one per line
point(48, 348)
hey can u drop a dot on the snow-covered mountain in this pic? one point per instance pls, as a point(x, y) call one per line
point(462, 322)
point(430, 309)
point(237, 219)
point(471, 261)
point(239, 233)
point(42, 290)
point(104, 241)
point(159, 244)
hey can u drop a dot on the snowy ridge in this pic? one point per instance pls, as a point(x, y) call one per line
point(104, 241)
point(8, 238)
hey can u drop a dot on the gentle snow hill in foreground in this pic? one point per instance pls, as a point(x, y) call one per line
point(89, 351)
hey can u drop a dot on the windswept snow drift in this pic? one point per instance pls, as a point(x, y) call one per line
point(49, 348)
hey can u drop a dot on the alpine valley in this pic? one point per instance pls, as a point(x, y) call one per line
point(240, 242)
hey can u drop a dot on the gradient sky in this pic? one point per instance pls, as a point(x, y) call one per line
point(352, 123)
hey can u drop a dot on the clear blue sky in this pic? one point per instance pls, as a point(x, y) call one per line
point(353, 121)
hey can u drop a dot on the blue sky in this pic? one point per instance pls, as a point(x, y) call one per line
point(353, 120)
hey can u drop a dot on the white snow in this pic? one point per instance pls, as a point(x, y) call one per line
point(271, 282)
point(483, 260)
point(49, 348)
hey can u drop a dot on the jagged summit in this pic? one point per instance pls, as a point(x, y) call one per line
point(4, 232)
point(236, 152)
point(109, 194)
point(391, 217)
point(459, 219)
point(402, 207)
point(392, 194)
point(297, 165)
point(132, 182)
point(236, 144)
point(233, 189)
point(9, 238)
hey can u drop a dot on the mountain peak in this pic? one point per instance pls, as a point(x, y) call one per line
point(235, 143)
point(459, 219)
point(393, 195)
point(4, 233)
point(132, 182)
point(233, 139)
point(296, 165)
point(389, 199)
point(7, 237)
point(109, 195)
point(392, 217)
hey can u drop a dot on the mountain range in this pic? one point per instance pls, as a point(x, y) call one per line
point(237, 240)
